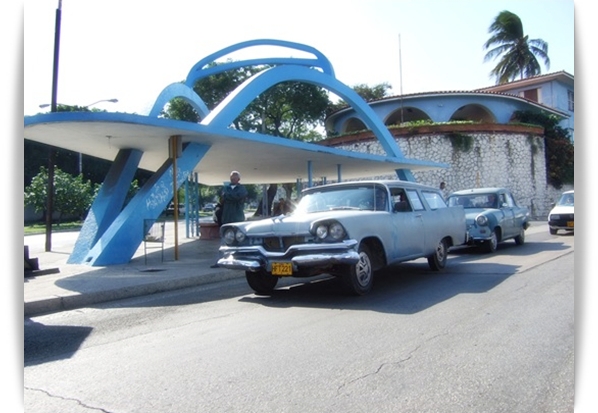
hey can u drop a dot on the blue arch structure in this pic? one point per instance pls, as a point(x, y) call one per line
point(111, 234)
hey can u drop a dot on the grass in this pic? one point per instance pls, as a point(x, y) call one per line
point(40, 228)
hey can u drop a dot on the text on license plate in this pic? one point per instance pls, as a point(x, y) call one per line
point(282, 268)
point(570, 223)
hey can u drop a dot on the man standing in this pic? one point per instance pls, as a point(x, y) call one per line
point(233, 203)
point(233, 200)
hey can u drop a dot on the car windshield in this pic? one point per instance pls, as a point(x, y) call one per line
point(368, 197)
point(474, 201)
point(566, 200)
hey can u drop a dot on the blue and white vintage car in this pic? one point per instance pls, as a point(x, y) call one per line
point(349, 230)
point(492, 216)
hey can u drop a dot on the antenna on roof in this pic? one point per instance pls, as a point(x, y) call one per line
point(401, 77)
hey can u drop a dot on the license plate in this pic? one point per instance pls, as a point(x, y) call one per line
point(282, 268)
point(570, 223)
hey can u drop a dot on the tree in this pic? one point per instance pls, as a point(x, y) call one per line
point(212, 90)
point(519, 53)
point(291, 110)
point(72, 196)
point(368, 93)
point(559, 151)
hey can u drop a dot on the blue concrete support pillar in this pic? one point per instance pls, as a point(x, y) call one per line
point(108, 203)
point(339, 177)
point(310, 181)
point(405, 175)
point(120, 241)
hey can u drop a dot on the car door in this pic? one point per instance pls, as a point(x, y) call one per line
point(507, 208)
point(519, 214)
point(407, 223)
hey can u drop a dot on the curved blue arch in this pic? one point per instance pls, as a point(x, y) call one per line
point(228, 110)
point(179, 90)
point(198, 72)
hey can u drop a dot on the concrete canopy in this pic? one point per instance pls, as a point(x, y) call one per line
point(260, 159)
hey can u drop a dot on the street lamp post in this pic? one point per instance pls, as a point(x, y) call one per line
point(50, 200)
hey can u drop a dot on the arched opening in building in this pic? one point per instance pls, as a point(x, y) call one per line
point(406, 114)
point(354, 125)
point(475, 113)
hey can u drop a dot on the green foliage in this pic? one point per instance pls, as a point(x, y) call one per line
point(559, 151)
point(72, 196)
point(460, 141)
point(368, 93)
point(518, 54)
point(290, 109)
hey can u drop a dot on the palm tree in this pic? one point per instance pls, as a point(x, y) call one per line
point(518, 51)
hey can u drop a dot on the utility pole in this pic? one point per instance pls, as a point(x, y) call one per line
point(50, 203)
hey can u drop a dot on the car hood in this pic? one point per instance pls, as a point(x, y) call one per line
point(472, 213)
point(294, 224)
point(562, 209)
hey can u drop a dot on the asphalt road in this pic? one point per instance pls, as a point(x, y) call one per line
point(492, 333)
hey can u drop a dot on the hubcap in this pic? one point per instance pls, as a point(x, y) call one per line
point(440, 252)
point(364, 269)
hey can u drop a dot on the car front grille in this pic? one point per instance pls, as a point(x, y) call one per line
point(281, 244)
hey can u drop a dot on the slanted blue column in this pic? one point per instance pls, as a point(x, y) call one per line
point(108, 203)
point(120, 241)
point(405, 175)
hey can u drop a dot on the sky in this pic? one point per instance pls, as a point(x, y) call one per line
point(115, 49)
point(131, 50)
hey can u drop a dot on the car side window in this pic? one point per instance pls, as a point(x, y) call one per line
point(434, 200)
point(399, 200)
point(509, 200)
point(413, 197)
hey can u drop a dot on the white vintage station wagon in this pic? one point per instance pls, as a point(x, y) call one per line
point(349, 230)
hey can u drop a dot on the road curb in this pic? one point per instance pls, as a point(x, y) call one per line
point(80, 300)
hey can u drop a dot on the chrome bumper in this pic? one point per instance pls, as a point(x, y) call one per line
point(255, 258)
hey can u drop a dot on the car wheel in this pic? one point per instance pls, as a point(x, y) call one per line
point(552, 231)
point(492, 243)
point(261, 282)
point(520, 239)
point(359, 278)
point(437, 261)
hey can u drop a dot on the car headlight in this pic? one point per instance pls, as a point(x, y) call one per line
point(322, 231)
point(554, 217)
point(481, 220)
point(229, 236)
point(240, 236)
point(331, 230)
point(337, 232)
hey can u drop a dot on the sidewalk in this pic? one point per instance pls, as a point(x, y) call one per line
point(75, 286)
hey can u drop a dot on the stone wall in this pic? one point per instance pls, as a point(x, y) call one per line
point(512, 159)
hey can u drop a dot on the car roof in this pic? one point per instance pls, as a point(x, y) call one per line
point(386, 182)
point(569, 192)
point(476, 191)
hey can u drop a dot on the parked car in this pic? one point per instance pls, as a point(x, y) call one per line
point(169, 211)
point(348, 230)
point(492, 216)
point(562, 215)
point(209, 207)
